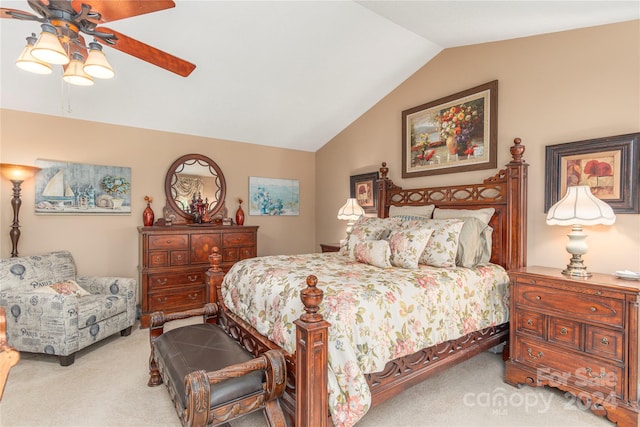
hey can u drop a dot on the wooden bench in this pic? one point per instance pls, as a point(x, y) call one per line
point(210, 377)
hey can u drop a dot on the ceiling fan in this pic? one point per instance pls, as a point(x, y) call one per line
point(69, 20)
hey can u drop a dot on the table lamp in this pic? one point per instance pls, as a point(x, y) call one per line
point(350, 212)
point(577, 208)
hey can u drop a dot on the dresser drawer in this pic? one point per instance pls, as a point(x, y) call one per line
point(237, 254)
point(179, 257)
point(584, 307)
point(581, 370)
point(238, 239)
point(605, 342)
point(530, 323)
point(172, 241)
point(565, 332)
point(172, 301)
point(158, 259)
point(176, 280)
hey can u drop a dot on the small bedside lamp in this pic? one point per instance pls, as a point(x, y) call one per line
point(350, 212)
point(577, 208)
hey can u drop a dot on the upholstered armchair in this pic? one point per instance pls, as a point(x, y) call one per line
point(50, 309)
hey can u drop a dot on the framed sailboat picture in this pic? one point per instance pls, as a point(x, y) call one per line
point(82, 189)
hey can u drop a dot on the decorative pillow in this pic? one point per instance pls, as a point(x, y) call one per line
point(483, 214)
point(442, 247)
point(368, 228)
point(407, 245)
point(419, 211)
point(373, 252)
point(68, 287)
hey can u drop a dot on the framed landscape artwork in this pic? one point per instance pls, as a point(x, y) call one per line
point(274, 196)
point(609, 166)
point(457, 133)
point(364, 188)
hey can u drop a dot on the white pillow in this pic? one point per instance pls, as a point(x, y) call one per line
point(421, 211)
point(483, 214)
point(373, 252)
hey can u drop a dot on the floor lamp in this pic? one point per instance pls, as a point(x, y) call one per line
point(16, 174)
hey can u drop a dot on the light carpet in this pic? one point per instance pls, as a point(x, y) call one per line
point(107, 387)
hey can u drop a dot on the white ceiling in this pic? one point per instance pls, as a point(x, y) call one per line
point(289, 74)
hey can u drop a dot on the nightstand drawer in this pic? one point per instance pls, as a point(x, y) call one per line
point(584, 307)
point(572, 367)
point(530, 323)
point(565, 332)
point(604, 342)
point(173, 241)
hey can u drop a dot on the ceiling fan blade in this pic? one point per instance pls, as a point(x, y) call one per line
point(17, 14)
point(112, 10)
point(149, 54)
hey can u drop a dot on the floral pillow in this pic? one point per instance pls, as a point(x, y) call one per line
point(368, 228)
point(442, 247)
point(373, 252)
point(407, 245)
point(68, 287)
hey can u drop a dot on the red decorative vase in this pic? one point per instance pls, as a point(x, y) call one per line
point(147, 216)
point(240, 216)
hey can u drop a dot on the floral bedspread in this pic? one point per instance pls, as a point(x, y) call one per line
point(376, 314)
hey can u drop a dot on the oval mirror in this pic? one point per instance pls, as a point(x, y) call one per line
point(193, 180)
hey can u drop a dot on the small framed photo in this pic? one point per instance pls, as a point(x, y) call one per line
point(364, 188)
point(609, 166)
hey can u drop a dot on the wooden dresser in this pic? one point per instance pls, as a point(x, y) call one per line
point(579, 335)
point(172, 263)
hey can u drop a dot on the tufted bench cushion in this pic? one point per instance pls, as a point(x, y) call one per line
point(205, 347)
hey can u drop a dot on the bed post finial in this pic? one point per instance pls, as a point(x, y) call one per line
point(312, 336)
point(384, 170)
point(517, 150)
point(214, 276)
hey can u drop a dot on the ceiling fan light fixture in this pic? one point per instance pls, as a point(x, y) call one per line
point(74, 74)
point(48, 47)
point(96, 64)
point(27, 62)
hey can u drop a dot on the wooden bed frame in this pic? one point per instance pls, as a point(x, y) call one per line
point(305, 401)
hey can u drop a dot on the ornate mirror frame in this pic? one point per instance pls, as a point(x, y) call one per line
point(216, 209)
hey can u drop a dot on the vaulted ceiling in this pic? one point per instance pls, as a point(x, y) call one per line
point(289, 74)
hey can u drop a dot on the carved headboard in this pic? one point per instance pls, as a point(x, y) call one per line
point(506, 192)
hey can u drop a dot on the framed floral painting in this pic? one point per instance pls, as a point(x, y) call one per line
point(364, 188)
point(609, 166)
point(457, 133)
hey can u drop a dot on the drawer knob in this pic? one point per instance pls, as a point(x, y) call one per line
point(161, 281)
point(563, 331)
point(538, 297)
point(533, 356)
point(529, 322)
point(593, 309)
point(192, 278)
point(604, 341)
point(162, 300)
point(598, 293)
point(590, 373)
point(193, 296)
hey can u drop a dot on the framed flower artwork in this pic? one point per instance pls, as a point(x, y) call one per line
point(364, 188)
point(609, 166)
point(457, 133)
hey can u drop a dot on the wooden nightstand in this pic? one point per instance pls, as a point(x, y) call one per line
point(330, 247)
point(579, 335)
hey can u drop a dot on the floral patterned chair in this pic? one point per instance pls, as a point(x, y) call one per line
point(52, 310)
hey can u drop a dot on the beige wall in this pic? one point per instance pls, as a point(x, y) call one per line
point(108, 244)
point(554, 88)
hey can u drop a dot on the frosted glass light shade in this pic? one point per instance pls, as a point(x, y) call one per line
point(17, 172)
point(48, 47)
point(580, 206)
point(351, 211)
point(74, 74)
point(27, 62)
point(96, 64)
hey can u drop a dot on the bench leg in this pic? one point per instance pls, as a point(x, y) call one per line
point(273, 413)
